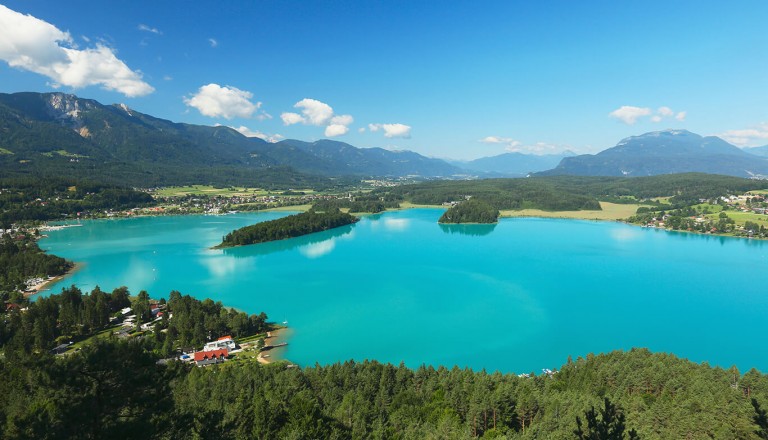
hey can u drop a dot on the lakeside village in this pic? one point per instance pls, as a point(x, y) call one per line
point(223, 349)
point(718, 216)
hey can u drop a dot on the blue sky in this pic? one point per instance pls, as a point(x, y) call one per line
point(446, 79)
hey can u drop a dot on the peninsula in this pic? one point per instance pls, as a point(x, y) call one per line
point(288, 227)
point(470, 211)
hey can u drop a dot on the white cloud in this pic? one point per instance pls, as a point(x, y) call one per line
point(145, 28)
point(32, 44)
point(630, 114)
point(213, 42)
point(361, 130)
point(539, 148)
point(291, 118)
point(168, 78)
point(500, 140)
point(749, 137)
point(336, 130)
point(314, 112)
point(342, 120)
point(227, 102)
point(515, 146)
point(392, 130)
point(272, 138)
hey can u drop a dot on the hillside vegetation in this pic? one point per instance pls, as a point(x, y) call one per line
point(573, 193)
point(288, 227)
point(470, 211)
point(115, 389)
point(40, 199)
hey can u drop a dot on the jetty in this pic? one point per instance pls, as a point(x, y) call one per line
point(270, 347)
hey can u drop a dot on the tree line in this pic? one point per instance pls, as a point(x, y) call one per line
point(116, 389)
point(473, 210)
point(73, 315)
point(41, 199)
point(288, 227)
point(22, 259)
point(360, 202)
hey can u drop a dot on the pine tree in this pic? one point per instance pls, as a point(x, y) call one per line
point(610, 426)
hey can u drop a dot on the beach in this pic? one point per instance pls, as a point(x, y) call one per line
point(275, 337)
point(43, 284)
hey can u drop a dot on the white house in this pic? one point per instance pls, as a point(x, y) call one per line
point(223, 342)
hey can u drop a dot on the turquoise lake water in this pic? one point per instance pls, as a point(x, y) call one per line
point(515, 297)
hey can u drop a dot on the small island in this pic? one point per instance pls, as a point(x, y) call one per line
point(288, 227)
point(470, 211)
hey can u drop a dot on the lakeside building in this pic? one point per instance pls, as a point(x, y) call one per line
point(203, 358)
point(223, 342)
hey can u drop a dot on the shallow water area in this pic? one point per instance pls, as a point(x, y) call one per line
point(515, 297)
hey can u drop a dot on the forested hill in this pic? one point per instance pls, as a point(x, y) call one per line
point(665, 152)
point(470, 211)
point(28, 198)
point(499, 193)
point(115, 389)
point(287, 227)
point(43, 133)
point(571, 193)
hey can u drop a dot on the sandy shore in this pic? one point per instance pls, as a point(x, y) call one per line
point(43, 285)
point(273, 338)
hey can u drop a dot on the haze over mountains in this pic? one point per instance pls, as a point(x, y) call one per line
point(512, 164)
point(666, 152)
point(57, 133)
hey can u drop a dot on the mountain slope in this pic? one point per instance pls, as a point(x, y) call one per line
point(513, 164)
point(758, 151)
point(369, 161)
point(61, 133)
point(665, 152)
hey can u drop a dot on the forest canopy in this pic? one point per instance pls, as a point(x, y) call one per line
point(288, 227)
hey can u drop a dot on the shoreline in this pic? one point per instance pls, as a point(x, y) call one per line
point(43, 285)
point(277, 336)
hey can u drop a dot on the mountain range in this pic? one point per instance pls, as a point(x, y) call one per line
point(665, 152)
point(57, 132)
point(758, 151)
point(512, 164)
point(61, 134)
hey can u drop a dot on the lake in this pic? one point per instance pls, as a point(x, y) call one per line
point(518, 296)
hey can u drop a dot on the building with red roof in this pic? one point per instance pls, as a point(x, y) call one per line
point(203, 358)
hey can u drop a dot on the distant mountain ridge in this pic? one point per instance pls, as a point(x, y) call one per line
point(513, 164)
point(758, 151)
point(61, 131)
point(665, 152)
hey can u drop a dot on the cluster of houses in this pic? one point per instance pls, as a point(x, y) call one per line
point(755, 203)
point(214, 352)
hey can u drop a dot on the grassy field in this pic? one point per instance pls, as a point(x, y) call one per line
point(610, 211)
point(407, 205)
point(742, 217)
point(301, 208)
point(106, 333)
point(179, 191)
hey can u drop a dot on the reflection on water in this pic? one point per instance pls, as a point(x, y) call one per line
point(316, 250)
point(474, 229)
point(312, 245)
